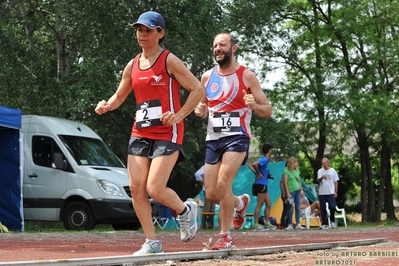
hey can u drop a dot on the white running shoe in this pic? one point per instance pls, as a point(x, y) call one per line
point(299, 226)
point(188, 222)
point(333, 225)
point(289, 227)
point(324, 227)
point(150, 247)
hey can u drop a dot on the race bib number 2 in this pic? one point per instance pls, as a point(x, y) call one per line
point(148, 114)
point(226, 122)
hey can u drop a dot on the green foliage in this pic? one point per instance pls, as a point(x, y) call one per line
point(280, 134)
point(348, 170)
point(339, 95)
point(59, 59)
point(306, 169)
point(340, 62)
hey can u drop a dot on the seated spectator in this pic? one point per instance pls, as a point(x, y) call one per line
point(310, 209)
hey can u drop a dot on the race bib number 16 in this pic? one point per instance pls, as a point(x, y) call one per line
point(226, 122)
point(148, 114)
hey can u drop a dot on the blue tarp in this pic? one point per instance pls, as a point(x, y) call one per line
point(11, 118)
point(11, 212)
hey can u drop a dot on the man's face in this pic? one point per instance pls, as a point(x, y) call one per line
point(222, 50)
point(325, 164)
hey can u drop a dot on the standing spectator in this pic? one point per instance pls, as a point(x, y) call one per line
point(261, 170)
point(233, 92)
point(207, 220)
point(156, 76)
point(284, 198)
point(328, 189)
point(293, 188)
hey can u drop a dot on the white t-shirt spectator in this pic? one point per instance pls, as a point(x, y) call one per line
point(327, 187)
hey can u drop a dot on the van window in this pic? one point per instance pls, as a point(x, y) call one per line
point(88, 151)
point(43, 148)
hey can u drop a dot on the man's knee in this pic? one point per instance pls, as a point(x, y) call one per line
point(212, 197)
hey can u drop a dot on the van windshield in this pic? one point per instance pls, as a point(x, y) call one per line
point(88, 151)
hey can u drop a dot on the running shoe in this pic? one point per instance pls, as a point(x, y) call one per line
point(299, 226)
point(259, 228)
point(224, 241)
point(188, 222)
point(289, 227)
point(269, 226)
point(333, 225)
point(150, 247)
point(239, 216)
point(324, 227)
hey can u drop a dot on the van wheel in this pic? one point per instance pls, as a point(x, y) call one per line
point(127, 226)
point(78, 216)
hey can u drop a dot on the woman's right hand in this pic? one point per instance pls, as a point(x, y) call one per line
point(102, 107)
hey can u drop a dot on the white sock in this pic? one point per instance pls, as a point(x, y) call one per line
point(240, 204)
point(226, 233)
point(187, 210)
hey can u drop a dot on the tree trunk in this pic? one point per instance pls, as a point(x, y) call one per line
point(389, 208)
point(27, 27)
point(370, 186)
point(383, 173)
point(363, 189)
point(365, 173)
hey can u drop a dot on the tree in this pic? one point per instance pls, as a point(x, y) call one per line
point(61, 58)
point(340, 75)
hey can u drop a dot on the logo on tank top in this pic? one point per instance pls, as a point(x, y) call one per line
point(214, 87)
point(157, 79)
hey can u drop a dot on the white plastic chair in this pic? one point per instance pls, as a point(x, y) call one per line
point(339, 214)
point(160, 222)
point(307, 218)
point(175, 223)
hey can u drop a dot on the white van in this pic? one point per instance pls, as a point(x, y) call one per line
point(71, 175)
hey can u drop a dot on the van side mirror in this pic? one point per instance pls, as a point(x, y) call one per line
point(58, 162)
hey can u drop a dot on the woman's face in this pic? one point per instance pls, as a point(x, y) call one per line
point(147, 37)
point(293, 164)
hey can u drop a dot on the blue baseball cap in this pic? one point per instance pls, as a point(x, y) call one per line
point(150, 19)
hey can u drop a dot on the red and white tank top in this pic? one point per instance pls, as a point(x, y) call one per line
point(156, 92)
point(228, 114)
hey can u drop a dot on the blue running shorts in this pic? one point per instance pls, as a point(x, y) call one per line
point(216, 148)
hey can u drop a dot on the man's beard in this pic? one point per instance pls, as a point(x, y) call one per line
point(225, 62)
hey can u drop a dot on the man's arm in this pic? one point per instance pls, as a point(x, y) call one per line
point(255, 168)
point(336, 189)
point(257, 100)
point(320, 176)
point(202, 108)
